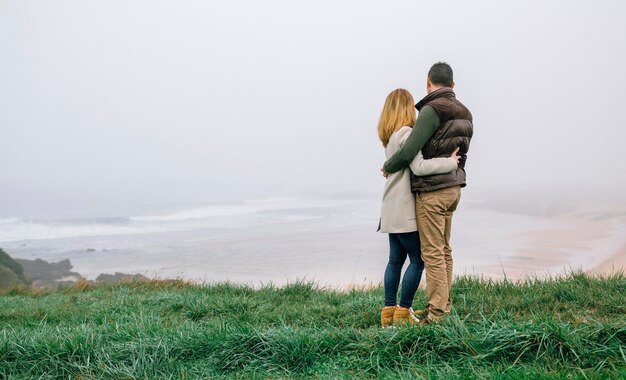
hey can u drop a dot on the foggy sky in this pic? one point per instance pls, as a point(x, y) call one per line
point(211, 100)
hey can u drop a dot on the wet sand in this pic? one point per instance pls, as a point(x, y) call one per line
point(616, 264)
point(588, 241)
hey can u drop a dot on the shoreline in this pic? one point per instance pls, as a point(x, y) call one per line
point(56, 275)
point(346, 254)
point(613, 265)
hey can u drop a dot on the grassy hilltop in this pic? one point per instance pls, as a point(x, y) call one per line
point(573, 327)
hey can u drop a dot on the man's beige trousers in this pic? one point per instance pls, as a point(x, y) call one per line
point(434, 222)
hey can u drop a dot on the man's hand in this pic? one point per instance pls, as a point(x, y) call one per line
point(385, 174)
point(455, 155)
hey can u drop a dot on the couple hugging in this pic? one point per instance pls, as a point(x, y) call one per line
point(425, 172)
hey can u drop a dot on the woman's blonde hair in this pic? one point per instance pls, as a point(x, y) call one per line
point(398, 112)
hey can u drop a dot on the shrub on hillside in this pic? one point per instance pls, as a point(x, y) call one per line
point(11, 272)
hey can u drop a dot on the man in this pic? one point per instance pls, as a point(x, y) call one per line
point(443, 124)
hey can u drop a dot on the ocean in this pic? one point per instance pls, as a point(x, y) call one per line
point(329, 240)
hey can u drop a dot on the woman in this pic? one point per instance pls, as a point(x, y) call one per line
point(398, 208)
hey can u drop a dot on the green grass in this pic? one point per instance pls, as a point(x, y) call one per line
point(571, 327)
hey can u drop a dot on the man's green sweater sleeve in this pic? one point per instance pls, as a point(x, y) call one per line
point(425, 126)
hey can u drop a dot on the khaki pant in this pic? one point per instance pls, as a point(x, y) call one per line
point(434, 222)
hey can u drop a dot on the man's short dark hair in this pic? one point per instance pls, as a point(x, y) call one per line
point(441, 74)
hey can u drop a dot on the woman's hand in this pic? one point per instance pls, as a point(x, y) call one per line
point(385, 174)
point(455, 155)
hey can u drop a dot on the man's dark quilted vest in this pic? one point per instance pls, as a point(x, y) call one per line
point(455, 130)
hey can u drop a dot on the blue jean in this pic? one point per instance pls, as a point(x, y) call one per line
point(399, 246)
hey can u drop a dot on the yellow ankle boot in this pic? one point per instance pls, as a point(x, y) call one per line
point(386, 315)
point(405, 316)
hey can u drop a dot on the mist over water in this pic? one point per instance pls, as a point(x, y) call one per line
point(210, 102)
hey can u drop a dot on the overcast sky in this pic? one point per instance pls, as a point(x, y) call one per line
point(214, 100)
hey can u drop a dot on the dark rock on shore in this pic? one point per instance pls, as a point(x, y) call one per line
point(43, 274)
point(40, 274)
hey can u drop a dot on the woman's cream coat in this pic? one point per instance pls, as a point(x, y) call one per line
point(398, 208)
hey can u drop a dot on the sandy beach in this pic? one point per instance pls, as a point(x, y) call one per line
point(615, 264)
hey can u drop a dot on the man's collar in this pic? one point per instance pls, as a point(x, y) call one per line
point(444, 92)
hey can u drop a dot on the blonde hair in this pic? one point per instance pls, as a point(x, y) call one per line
point(398, 112)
